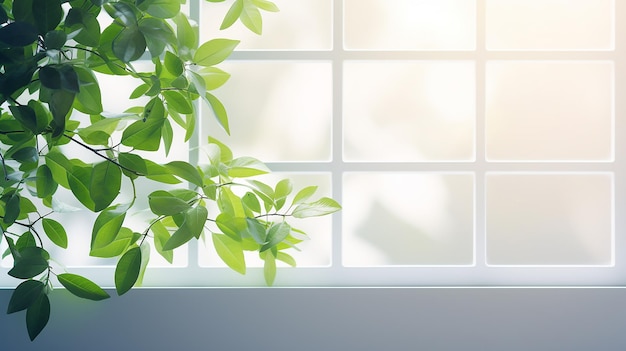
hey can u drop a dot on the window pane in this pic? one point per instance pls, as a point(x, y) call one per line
point(409, 111)
point(287, 111)
point(549, 111)
point(549, 219)
point(409, 24)
point(408, 219)
point(300, 25)
point(315, 251)
point(550, 24)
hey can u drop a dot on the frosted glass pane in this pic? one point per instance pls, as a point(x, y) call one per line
point(549, 111)
point(409, 111)
point(408, 219)
point(300, 25)
point(315, 251)
point(279, 111)
point(410, 24)
point(550, 24)
point(549, 219)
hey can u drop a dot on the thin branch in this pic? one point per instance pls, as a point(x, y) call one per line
point(103, 156)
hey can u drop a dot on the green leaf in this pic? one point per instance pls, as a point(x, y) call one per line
point(82, 287)
point(55, 232)
point(283, 189)
point(304, 194)
point(178, 102)
point(269, 267)
point(192, 226)
point(143, 135)
point(127, 270)
point(107, 226)
point(187, 37)
point(246, 167)
point(234, 227)
point(161, 236)
point(37, 316)
point(60, 105)
point(122, 240)
point(251, 18)
point(281, 256)
point(159, 173)
point(256, 230)
point(129, 45)
point(251, 202)
point(219, 111)
point(31, 262)
point(232, 15)
point(12, 209)
point(18, 34)
point(266, 5)
point(230, 203)
point(276, 234)
point(26, 116)
point(45, 184)
point(106, 182)
point(160, 8)
point(132, 162)
point(320, 207)
point(89, 99)
point(164, 203)
point(122, 12)
point(25, 295)
point(214, 51)
point(48, 14)
point(213, 77)
point(89, 32)
point(230, 251)
point(173, 64)
point(185, 171)
point(158, 34)
point(79, 179)
point(25, 240)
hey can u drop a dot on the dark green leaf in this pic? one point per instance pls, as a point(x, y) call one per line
point(37, 316)
point(25, 295)
point(47, 14)
point(89, 33)
point(132, 162)
point(12, 209)
point(124, 238)
point(173, 64)
point(60, 105)
point(127, 270)
point(214, 51)
point(192, 226)
point(25, 240)
point(230, 251)
point(18, 34)
point(160, 8)
point(55, 232)
point(82, 287)
point(45, 184)
point(31, 262)
point(157, 33)
point(122, 12)
point(55, 39)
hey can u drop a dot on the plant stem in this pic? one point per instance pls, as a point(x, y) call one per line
point(103, 156)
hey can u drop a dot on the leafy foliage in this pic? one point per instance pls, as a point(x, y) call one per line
point(53, 125)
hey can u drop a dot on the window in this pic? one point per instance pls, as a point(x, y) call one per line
point(470, 142)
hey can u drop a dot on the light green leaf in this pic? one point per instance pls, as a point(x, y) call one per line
point(256, 230)
point(219, 111)
point(173, 64)
point(232, 15)
point(234, 227)
point(107, 226)
point(124, 238)
point(304, 194)
point(266, 5)
point(213, 77)
point(246, 166)
point(230, 251)
point(89, 98)
point(45, 184)
point(82, 287)
point(25, 295)
point(127, 270)
point(187, 35)
point(160, 8)
point(214, 51)
point(269, 267)
point(159, 173)
point(251, 18)
point(55, 232)
point(143, 135)
point(251, 202)
point(281, 256)
point(161, 236)
point(283, 189)
point(167, 134)
point(79, 179)
point(132, 162)
point(192, 226)
point(178, 102)
point(37, 316)
point(320, 207)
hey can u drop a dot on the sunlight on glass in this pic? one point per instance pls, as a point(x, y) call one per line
point(549, 219)
point(409, 111)
point(408, 219)
point(410, 24)
point(286, 115)
point(315, 251)
point(549, 111)
point(300, 25)
point(550, 24)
